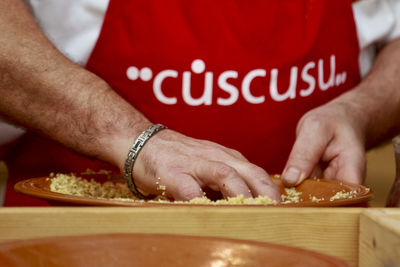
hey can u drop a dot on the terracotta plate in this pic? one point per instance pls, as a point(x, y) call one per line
point(319, 188)
point(155, 250)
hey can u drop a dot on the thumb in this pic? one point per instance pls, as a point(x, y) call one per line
point(306, 153)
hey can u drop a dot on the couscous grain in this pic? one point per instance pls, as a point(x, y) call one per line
point(118, 190)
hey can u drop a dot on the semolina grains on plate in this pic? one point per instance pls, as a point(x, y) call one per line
point(77, 186)
point(72, 185)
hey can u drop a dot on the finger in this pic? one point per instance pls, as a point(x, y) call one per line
point(349, 167)
point(259, 181)
point(353, 171)
point(331, 170)
point(224, 177)
point(180, 187)
point(255, 177)
point(306, 153)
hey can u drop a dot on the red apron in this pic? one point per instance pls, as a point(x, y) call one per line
point(240, 73)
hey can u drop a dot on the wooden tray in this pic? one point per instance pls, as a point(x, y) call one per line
point(320, 188)
point(155, 250)
point(380, 238)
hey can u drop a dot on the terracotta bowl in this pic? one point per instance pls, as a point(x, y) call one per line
point(155, 250)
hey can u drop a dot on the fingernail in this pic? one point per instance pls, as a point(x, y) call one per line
point(291, 175)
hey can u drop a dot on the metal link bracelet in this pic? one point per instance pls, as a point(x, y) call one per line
point(132, 155)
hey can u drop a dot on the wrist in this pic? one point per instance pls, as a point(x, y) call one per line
point(117, 145)
point(133, 154)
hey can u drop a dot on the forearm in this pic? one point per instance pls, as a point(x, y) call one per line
point(44, 91)
point(376, 100)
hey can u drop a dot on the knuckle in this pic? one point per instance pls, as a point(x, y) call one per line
point(215, 149)
point(312, 122)
point(311, 117)
point(222, 170)
point(261, 176)
point(210, 145)
point(237, 153)
point(258, 171)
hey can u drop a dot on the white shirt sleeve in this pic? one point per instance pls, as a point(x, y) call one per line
point(395, 30)
point(377, 23)
point(72, 25)
point(9, 133)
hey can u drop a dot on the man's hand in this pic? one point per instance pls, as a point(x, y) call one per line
point(185, 166)
point(329, 144)
point(331, 139)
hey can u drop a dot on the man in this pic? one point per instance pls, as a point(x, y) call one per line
point(241, 75)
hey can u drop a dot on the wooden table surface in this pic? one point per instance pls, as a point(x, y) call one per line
point(332, 231)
